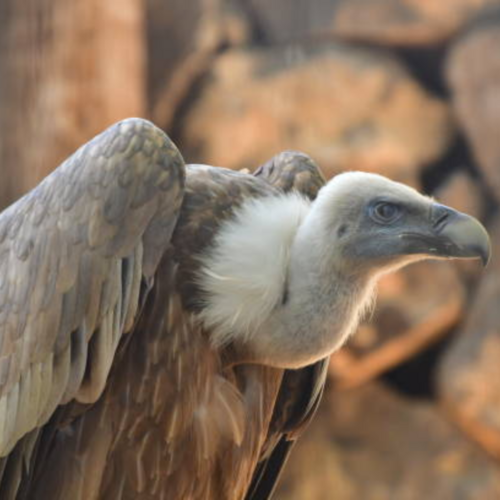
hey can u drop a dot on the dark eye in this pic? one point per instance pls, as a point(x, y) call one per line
point(385, 212)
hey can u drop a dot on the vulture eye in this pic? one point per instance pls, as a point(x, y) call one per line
point(384, 212)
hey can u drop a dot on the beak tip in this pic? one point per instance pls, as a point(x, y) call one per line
point(483, 245)
point(486, 255)
point(466, 234)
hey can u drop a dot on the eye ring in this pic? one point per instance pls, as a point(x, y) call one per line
point(385, 212)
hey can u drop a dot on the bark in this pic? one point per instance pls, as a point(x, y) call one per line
point(68, 69)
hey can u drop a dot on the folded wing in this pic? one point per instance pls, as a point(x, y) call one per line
point(77, 255)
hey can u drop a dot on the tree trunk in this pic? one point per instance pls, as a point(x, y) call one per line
point(68, 69)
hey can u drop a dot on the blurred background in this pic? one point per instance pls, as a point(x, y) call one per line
point(406, 88)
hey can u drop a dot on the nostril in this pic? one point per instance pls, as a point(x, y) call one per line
point(441, 221)
point(440, 216)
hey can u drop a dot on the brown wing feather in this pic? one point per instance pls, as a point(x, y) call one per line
point(170, 411)
point(73, 253)
point(292, 171)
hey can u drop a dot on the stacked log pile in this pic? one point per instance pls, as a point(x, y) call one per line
point(406, 88)
point(410, 90)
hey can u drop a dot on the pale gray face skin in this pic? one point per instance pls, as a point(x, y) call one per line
point(390, 228)
point(394, 225)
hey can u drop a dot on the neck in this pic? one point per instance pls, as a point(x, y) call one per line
point(324, 300)
point(281, 296)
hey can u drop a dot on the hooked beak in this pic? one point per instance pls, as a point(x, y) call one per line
point(454, 234)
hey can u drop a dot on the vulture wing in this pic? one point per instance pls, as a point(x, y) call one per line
point(301, 390)
point(77, 256)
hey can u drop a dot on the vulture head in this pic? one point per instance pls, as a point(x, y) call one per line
point(370, 224)
point(289, 279)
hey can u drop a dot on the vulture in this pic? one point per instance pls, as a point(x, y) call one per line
point(165, 329)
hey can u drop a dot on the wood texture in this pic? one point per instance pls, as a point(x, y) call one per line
point(69, 69)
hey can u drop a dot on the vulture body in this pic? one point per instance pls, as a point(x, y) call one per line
point(158, 337)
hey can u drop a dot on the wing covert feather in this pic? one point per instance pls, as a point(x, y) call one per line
point(73, 254)
point(292, 171)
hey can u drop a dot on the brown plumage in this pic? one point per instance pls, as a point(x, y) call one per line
point(93, 282)
point(111, 387)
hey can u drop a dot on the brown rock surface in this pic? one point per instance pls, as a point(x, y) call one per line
point(349, 108)
point(371, 444)
point(415, 307)
point(473, 72)
point(397, 22)
point(469, 376)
